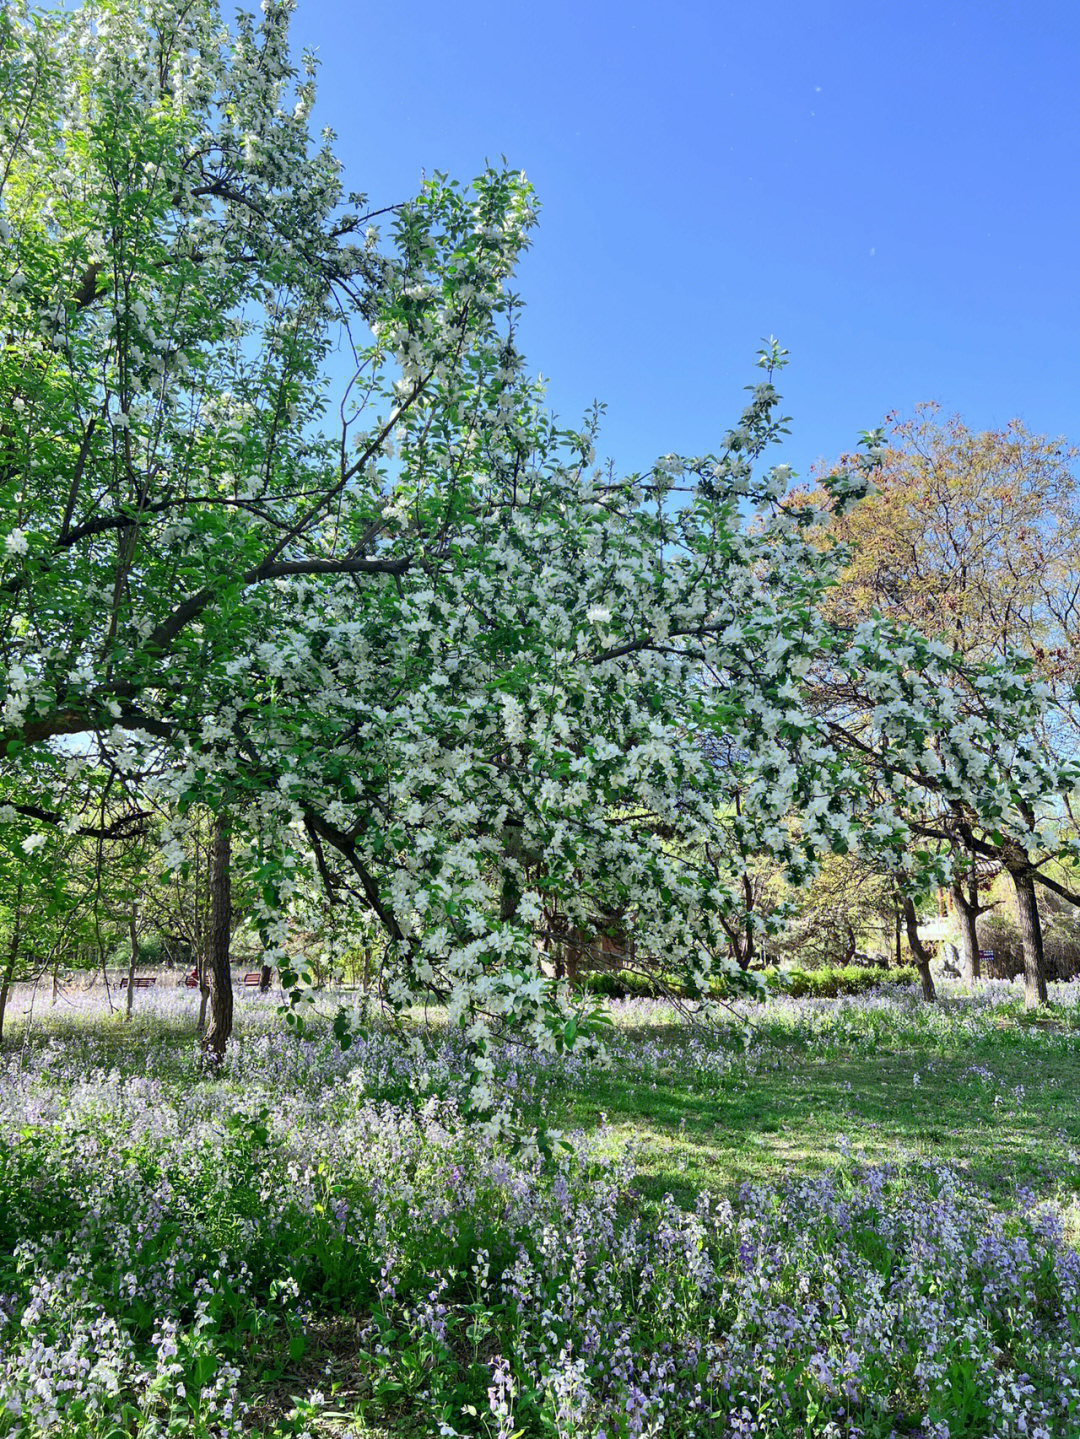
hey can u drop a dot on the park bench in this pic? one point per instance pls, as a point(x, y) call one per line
point(141, 981)
point(252, 979)
point(191, 982)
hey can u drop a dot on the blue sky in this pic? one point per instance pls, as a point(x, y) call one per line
point(890, 189)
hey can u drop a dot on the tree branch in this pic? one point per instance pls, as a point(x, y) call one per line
point(126, 827)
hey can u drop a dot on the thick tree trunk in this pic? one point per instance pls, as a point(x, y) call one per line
point(133, 924)
point(264, 978)
point(743, 937)
point(576, 945)
point(967, 910)
point(217, 956)
point(919, 952)
point(1027, 912)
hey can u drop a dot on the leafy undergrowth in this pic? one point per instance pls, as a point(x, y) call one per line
point(318, 1241)
point(841, 979)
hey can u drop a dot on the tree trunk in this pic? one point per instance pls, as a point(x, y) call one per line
point(899, 929)
point(1027, 912)
point(744, 943)
point(264, 978)
point(5, 985)
point(9, 970)
point(967, 910)
point(217, 957)
point(204, 995)
point(133, 923)
point(12, 956)
point(919, 951)
point(576, 946)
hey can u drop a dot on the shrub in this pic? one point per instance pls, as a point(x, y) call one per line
point(621, 984)
point(631, 984)
point(835, 980)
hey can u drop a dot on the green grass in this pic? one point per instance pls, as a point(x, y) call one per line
point(795, 1100)
point(799, 1085)
point(797, 1090)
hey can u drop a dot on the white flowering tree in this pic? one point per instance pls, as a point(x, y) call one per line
point(958, 754)
point(177, 258)
point(522, 725)
point(405, 632)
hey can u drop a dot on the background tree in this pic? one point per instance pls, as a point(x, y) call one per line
point(41, 919)
point(972, 539)
point(847, 911)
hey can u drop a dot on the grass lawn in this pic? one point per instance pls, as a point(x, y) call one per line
point(994, 1096)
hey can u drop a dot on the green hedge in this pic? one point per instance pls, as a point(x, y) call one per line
point(828, 983)
point(619, 984)
point(838, 979)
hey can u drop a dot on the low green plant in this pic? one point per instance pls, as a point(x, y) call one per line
point(840, 979)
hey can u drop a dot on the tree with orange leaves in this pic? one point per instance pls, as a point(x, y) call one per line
point(973, 539)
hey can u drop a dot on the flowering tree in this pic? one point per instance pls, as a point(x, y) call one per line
point(429, 655)
point(177, 260)
point(526, 715)
point(970, 539)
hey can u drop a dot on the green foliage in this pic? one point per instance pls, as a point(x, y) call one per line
point(831, 981)
point(430, 659)
point(828, 982)
point(622, 984)
point(658, 984)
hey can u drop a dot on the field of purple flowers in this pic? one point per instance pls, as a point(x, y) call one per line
point(318, 1242)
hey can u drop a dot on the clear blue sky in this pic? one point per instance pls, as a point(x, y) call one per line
point(889, 188)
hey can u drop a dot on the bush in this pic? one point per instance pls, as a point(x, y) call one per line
point(621, 984)
point(835, 980)
point(631, 984)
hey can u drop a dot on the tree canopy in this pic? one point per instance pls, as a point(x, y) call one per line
point(400, 625)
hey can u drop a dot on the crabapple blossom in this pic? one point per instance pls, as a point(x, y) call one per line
point(452, 678)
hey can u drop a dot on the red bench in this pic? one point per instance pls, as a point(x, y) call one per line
point(191, 982)
point(140, 982)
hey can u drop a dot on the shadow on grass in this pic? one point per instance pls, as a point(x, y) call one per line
point(1004, 1113)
